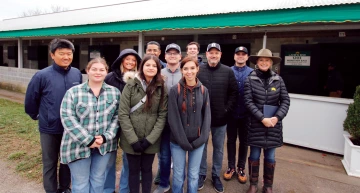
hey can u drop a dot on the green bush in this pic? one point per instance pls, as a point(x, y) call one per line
point(352, 121)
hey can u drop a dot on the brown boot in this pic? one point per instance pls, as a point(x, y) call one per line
point(253, 175)
point(269, 169)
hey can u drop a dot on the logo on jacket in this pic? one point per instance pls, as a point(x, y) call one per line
point(273, 89)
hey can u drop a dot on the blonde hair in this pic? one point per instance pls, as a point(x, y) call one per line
point(97, 60)
point(122, 67)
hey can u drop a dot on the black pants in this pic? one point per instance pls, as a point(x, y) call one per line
point(50, 147)
point(141, 163)
point(236, 128)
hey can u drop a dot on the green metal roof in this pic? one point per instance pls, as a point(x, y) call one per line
point(326, 14)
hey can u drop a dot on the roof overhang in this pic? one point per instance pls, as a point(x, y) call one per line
point(336, 14)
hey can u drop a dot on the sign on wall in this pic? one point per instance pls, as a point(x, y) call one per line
point(297, 58)
point(95, 54)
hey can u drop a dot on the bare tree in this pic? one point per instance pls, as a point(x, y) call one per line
point(57, 8)
point(38, 11)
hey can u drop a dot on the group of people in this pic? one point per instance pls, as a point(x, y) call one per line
point(150, 107)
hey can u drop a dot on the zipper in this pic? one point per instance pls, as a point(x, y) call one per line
point(266, 131)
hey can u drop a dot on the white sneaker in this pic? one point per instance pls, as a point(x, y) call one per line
point(160, 189)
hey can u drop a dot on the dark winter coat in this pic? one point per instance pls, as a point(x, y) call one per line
point(115, 78)
point(44, 95)
point(189, 129)
point(257, 93)
point(221, 84)
point(241, 74)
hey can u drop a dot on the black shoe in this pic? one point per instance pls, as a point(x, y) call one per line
point(201, 181)
point(217, 184)
point(157, 178)
point(64, 191)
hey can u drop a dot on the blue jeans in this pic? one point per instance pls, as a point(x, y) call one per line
point(269, 154)
point(165, 158)
point(218, 138)
point(88, 175)
point(179, 162)
point(110, 174)
point(124, 176)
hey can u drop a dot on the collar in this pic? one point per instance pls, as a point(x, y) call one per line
point(59, 69)
point(176, 70)
point(237, 68)
point(213, 68)
point(144, 84)
point(87, 88)
point(182, 82)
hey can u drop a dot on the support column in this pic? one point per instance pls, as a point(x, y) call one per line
point(264, 40)
point(20, 53)
point(196, 38)
point(28, 53)
point(91, 43)
point(141, 44)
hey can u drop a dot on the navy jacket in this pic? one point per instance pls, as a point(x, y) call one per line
point(44, 95)
point(241, 73)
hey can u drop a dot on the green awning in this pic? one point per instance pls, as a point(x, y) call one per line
point(326, 14)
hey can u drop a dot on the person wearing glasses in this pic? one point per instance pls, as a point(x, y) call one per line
point(172, 75)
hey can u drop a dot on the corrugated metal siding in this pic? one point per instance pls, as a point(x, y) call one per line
point(156, 9)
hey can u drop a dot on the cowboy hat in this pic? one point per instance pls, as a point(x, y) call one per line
point(264, 53)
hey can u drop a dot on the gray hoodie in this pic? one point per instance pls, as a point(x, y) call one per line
point(189, 129)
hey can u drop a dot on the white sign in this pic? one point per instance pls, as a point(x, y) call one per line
point(297, 59)
point(94, 54)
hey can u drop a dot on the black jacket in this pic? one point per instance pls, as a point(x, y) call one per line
point(221, 84)
point(257, 93)
point(115, 78)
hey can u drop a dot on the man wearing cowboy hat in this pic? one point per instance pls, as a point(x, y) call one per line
point(236, 127)
point(221, 83)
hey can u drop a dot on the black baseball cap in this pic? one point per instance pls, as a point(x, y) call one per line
point(173, 46)
point(213, 45)
point(241, 49)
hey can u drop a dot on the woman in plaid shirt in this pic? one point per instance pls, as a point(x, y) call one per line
point(89, 114)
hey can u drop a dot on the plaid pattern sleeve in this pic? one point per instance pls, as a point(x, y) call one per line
point(85, 116)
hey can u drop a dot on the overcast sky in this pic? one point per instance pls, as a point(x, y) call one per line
point(14, 8)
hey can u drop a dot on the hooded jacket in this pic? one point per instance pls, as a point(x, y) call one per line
point(115, 78)
point(189, 129)
point(141, 124)
point(257, 93)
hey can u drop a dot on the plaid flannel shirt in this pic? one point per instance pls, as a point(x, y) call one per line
point(84, 116)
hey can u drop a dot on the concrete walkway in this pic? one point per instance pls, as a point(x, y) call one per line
point(298, 169)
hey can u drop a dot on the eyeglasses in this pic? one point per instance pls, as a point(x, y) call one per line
point(172, 53)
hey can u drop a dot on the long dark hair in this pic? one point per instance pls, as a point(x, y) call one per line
point(151, 88)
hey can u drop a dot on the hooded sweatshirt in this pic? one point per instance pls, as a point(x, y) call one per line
point(189, 129)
